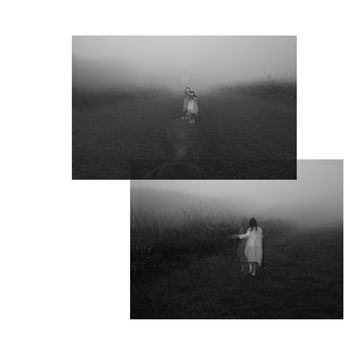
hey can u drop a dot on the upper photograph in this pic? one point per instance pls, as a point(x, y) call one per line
point(184, 107)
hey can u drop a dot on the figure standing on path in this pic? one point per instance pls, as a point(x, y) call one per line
point(253, 249)
point(192, 110)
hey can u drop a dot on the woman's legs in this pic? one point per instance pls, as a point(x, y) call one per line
point(254, 268)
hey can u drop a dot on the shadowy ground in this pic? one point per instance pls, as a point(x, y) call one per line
point(303, 279)
point(238, 135)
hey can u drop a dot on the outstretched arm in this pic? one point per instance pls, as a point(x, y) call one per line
point(240, 236)
point(244, 235)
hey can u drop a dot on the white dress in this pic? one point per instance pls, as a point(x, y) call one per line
point(193, 106)
point(253, 248)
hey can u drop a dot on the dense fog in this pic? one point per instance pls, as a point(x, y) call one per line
point(172, 62)
point(315, 199)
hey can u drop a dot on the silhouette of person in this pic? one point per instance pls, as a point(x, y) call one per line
point(187, 98)
point(192, 110)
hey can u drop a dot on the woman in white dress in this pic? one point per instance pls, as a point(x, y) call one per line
point(253, 248)
point(192, 110)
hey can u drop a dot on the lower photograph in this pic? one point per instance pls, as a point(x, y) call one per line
point(239, 249)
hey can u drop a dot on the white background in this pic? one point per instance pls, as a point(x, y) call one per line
point(64, 245)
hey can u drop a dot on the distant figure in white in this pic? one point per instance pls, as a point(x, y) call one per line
point(192, 110)
point(190, 105)
point(254, 246)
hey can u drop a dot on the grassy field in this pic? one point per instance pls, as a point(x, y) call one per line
point(242, 132)
point(190, 270)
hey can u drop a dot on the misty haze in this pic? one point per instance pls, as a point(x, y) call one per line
point(314, 199)
point(186, 250)
point(131, 118)
point(175, 62)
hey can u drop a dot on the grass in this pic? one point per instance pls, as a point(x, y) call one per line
point(242, 132)
point(270, 89)
point(186, 267)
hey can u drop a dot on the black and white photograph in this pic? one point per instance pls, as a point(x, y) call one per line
point(184, 107)
point(174, 175)
point(206, 249)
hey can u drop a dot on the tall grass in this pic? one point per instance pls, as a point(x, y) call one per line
point(168, 239)
point(183, 232)
point(270, 89)
point(87, 98)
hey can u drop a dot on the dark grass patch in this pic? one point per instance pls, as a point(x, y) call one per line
point(303, 280)
point(122, 135)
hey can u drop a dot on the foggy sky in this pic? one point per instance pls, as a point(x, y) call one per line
point(315, 198)
point(175, 61)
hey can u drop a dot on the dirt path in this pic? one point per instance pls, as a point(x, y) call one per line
point(236, 138)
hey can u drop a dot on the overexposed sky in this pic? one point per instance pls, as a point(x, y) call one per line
point(317, 195)
point(198, 61)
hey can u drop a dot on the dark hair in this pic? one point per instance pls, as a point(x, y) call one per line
point(192, 92)
point(253, 223)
